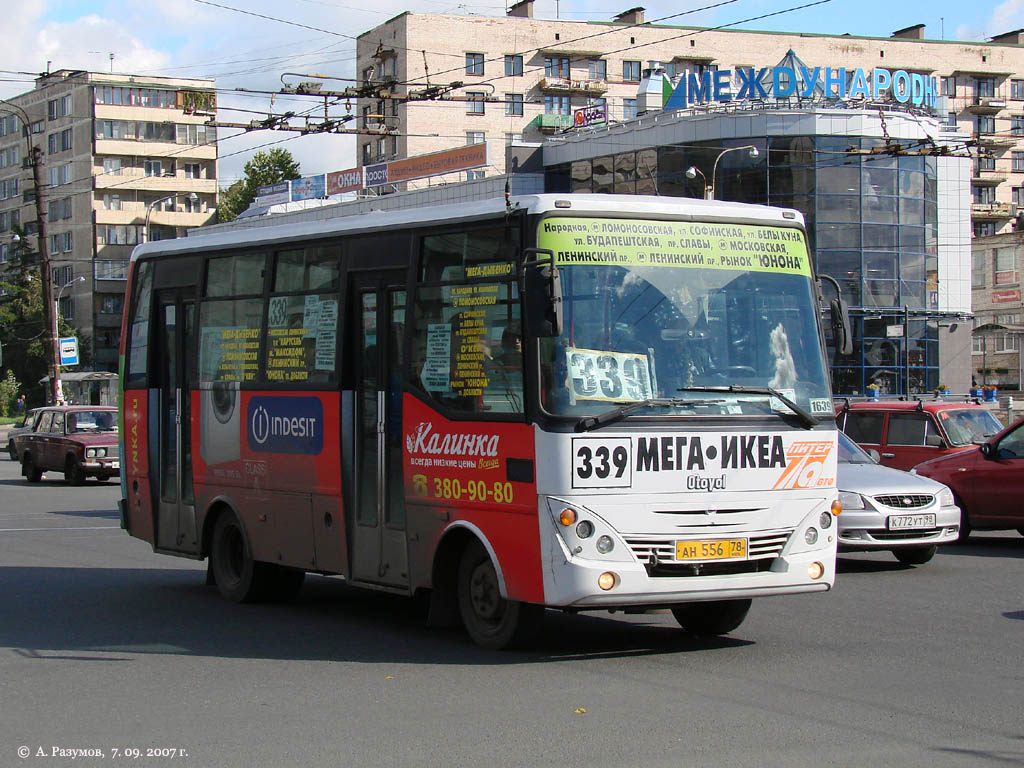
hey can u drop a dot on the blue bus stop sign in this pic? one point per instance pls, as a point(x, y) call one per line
point(69, 351)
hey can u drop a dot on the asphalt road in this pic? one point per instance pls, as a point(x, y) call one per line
point(107, 646)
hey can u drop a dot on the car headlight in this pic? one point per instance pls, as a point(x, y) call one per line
point(946, 498)
point(90, 453)
point(851, 500)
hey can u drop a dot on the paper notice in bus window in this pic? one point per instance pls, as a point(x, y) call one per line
point(613, 376)
point(311, 315)
point(326, 335)
point(437, 367)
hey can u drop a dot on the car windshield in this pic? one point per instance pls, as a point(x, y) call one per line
point(965, 425)
point(653, 309)
point(851, 453)
point(79, 422)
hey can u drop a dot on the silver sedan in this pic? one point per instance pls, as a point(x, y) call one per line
point(888, 509)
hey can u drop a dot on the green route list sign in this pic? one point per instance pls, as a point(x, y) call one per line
point(647, 243)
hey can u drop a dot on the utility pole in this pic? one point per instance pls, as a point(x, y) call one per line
point(50, 318)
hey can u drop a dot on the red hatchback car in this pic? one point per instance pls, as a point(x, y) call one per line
point(987, 481)
point(908, 432)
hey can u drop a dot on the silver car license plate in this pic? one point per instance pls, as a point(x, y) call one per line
point(910, 522)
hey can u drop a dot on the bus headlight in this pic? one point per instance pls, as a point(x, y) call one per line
point(815, 570)
point(825, 521)
point(607, 580)
point(605, 544)
point(811, 535)
point(585, 529)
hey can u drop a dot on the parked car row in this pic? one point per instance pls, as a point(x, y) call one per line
point(78, 440)
point(959, 444)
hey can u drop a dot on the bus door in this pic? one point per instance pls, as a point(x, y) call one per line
point(378, 538)
point(176, 510)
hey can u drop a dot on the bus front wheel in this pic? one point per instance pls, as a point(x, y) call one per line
point(490, 620)
point(716, 617)
point(238, 577)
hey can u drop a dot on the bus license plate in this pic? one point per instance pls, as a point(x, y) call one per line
point(910, 522)
point(711, 549)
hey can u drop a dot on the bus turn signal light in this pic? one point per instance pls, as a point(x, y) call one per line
point(568, 517)
point(837, 507)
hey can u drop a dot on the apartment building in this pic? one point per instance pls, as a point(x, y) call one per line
point(996, 268)
point(119, 152)
point(522, 78)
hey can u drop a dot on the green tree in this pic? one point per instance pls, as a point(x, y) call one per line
point(9, 389)
point(23, 329)
point(264, 168)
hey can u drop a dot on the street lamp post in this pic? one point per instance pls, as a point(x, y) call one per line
point(709, 187)
point(149, 208)
point(58, 389)
point(49, 315)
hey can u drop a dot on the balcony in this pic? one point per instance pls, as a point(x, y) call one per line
point(550, 123)
point(987, 177)
point(985, 105)
point(992, 211)
point(996, 141)
point(565, 85)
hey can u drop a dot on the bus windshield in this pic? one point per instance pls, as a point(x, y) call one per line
point(661, 309)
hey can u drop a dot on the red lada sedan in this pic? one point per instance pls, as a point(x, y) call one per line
point(987, 481)
point(78, 440)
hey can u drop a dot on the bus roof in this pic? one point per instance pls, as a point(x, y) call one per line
point(564, 204)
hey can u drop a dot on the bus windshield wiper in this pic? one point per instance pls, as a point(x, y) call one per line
point(805, 417)
point(588, 423)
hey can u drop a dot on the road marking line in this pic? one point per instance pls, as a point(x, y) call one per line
point(81, 528)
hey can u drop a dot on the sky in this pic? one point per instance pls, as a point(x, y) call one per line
point(235, 43)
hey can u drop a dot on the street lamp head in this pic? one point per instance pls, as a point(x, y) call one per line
point(691, 172)
point(754, 152)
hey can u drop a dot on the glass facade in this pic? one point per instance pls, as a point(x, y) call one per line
point(872, 222)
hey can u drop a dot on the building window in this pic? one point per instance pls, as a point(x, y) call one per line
point(111, 305)
point(978, 262)
point(986, 124)
point(984, 195)
point(1018, 196)
point(951, 120)
point(57, 108)
point(1017, 159)
point(153, 168)
point(112, 166)
point(598, 69)
point(474, 63)
point(475, 137)
point(60, 175)
point(193, 170)
point(1005, 266)
point(984, 228)
point(59, 209)
point(628, 109)
point(513, 65)
point(61, 242)
point(382, 147)
point(1016, 125)
point(986, 163)
point(62, 275)
point(513, 138)
point(1017, 89)
point(556, 66)
point(556, 105)
point(366, 154)
point(112, 202)
point(475, 103)
point(631, 71)
point(984, 88)
point(110, 270)
point(949, 86)
point(52, 143)
point(514, 104)
point(474, 175)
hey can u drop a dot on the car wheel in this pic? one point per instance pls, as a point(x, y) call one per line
point(29, 469)
point(715, 617)
point(915, 555)
point(74, 473)
point(965, 521)
point(490, 620)
point(239, 578)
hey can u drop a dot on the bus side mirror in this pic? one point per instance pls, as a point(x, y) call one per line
point(542, 292)
point(841, 327)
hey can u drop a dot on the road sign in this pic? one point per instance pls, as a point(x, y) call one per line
point(69, 351)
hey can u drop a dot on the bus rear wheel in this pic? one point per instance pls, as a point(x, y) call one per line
point(716, 617)
point(238, 577)
point(490, 620)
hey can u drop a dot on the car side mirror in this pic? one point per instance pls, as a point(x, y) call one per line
point(987, 450)
point(875, 455)
point(934, 441)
